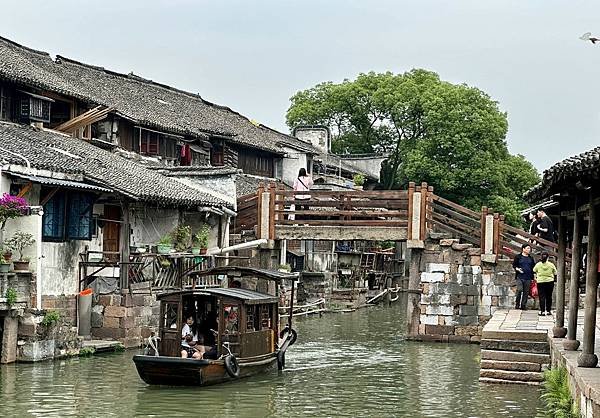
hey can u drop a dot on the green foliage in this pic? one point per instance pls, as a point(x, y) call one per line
point(4, 260)
point(358, 179)
point(201, 237)
point(87, 351)
point(182, 237)
point(11, 296)
point(19, 241)
point(119, 348)
point(50, 318)
point(557, 395)
point(285, 267)
point(166, 240)
point(449, 135)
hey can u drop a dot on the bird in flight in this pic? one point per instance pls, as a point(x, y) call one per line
point(588, 37)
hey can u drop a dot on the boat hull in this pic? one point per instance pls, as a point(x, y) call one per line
point(175, 371)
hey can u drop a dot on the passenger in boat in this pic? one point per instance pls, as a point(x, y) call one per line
point(236, 284)
point(209, 336)
point(189, 340)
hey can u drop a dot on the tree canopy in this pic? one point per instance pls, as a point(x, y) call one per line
point(449, 135)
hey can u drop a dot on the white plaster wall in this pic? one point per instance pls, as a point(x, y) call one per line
point(149, 224)
point(292, 163)
point(220, 186)
point(371, 166)
point(318, 137)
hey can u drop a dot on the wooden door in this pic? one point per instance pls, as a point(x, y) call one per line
point(170, 329)
point(111, 230)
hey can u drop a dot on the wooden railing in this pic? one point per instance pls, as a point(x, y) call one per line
point(247, 212)
point(446, 216)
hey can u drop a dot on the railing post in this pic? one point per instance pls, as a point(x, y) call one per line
point(484, 212)
point(488, 247)
point(496, 237)
point(259, 208)
point(272, 211)
point(423, 218)
point(411, 192)
point(429, 209)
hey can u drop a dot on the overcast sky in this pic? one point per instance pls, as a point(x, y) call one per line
point(253, 55)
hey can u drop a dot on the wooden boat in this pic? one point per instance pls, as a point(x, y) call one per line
point(244, 324)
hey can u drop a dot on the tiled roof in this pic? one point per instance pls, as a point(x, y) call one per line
point(246, 184)
point(564, 172)
point(61, 153)
point(145, 102)
point(196, 171)
point(334, 162)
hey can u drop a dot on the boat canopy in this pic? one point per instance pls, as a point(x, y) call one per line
point(237, 271)
point(250, 297)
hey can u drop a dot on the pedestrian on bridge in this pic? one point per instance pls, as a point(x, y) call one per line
point(545, 274)
point(303, 183)
point(523, 265)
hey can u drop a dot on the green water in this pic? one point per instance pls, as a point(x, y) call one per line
point(355, 364)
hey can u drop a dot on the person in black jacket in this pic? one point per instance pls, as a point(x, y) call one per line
point(545, 227)
point(523, 265)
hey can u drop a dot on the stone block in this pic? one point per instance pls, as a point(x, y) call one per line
point(486, 278)
point(429, 319)
point(48, 303)
point(467, 320)
point(488, 258)
point(439, 310)
point(439, 329)
point(486, 301)
point(432, 277)
point(110, 322)
point(421, 328)
point(459, 299)
point(476, 269)
point(465, 269)
point(438, 268)
point(431, 338)
point(465, 310)
point(97, 320)
point(145, 332)
point(494, 300)
point(484, 310)
point(27, 330)
point(447, 242)
point(470, 300)
point(466, 330)
point(131, 342)
point(459, 339)
point(464, 278)
point(472, 290)
point(108, 333)
point(37, 350)
point(461, 247)
point(133, 333)
point(127, 300)
point(475, 339)
point(475, 260)
point(115, 311)
point(138, 300)
point(425, 288)
point(474, 251)
point(492, 290)
point(128, 322)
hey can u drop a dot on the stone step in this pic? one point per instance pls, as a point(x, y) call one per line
point(511, 375)
point(506, 382)
point(517, 366)
point(515, 335)
point(515, 356)
point(537, 347)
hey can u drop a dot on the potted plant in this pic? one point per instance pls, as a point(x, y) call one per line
point(359, 181)
point(6, 254)
point(4, 265)
point(284, 268)
point(200, 240)
point(182, 237)
point(18, 242)
point(165, 244)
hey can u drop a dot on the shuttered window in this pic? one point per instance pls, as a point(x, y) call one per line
point(68, 216)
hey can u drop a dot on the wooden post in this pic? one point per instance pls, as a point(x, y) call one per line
point(416, 215)
point(496, 236)
point(124, 247)
point(588, 358)
point(571, 343)
point(259, 208)
point(411, 192)
point(559, 329)
point(423, 223)
point(429, 211)
point(272, 211)
point(484, 212)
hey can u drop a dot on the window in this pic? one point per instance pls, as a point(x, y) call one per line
point(149, 142)
point(67, 215)
point(256, 163)
point(34, 108)
point(217, 154)
point(5, 104)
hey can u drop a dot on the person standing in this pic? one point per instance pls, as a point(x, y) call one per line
point(302, 183)
point(523, 265)
point(545, 272)
point(544, 226)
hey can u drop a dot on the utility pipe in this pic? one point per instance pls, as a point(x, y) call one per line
point(38, 266)
point(242, 246)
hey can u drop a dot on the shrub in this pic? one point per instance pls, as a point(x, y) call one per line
point(358, 179)
point(166, 240)
point(19, 241)
point(50, 318)
point(11, 296)
point(556, 394)
point(86, 351)
point(201, 237)
point(182, 237)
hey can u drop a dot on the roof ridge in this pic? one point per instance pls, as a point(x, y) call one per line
point(18, 45)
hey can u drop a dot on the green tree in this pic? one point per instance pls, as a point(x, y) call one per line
point(450, 135)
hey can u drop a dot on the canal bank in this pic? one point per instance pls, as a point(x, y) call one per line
point(352, 364)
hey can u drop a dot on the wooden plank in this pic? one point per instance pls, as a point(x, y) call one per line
point(337, 222)
point(389, 213)
point(460, 234)
point(458, 226)
point(456, 206)
point(459, 216)
point(385, 204)
point(381, 194)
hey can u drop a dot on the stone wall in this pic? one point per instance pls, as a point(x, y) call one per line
point(125, 318)
point(459, 292)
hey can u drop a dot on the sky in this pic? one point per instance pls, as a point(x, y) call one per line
point(252, 56)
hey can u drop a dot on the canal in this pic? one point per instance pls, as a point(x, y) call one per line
point(355, 364)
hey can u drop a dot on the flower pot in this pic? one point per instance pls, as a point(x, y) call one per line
point(196, 251)
point(4, 268)
point(7, 255)
point(203, 250)
point(358, 187)
point(164, 249)
point(21, 265)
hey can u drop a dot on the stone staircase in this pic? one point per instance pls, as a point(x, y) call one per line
point(515, 348)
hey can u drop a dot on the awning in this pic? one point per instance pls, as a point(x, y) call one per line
point(61, 183)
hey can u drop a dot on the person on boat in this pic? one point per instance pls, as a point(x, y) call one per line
point(209, 335)
point(189, 339)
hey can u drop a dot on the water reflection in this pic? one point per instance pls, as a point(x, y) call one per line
point(354, 364)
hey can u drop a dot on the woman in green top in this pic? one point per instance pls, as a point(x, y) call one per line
point(545, 272)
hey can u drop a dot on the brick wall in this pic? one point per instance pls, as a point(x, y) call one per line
point(459, 292)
